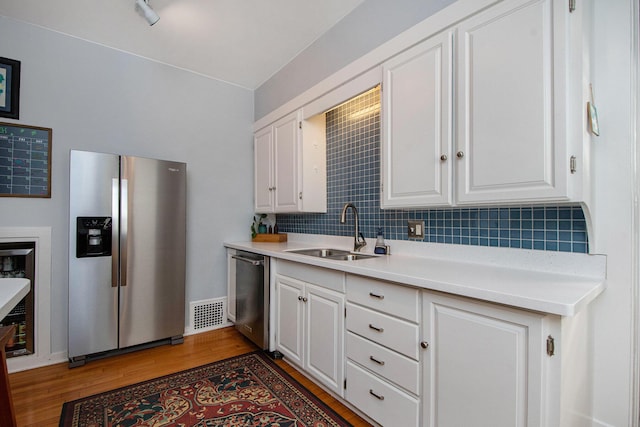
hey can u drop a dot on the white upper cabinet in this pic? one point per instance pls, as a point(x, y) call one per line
point(290, 166)
point(491, 111)
point(513, 142)
point(416, 125)
point(263, 166)
point(285, 164)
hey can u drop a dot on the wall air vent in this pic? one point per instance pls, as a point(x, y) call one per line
point(206, 315)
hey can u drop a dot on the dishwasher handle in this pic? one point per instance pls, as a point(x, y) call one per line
point(249, 260)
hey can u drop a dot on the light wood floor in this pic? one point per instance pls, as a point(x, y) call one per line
point(38, 394)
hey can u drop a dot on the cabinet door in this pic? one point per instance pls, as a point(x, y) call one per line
point(285, 143)
point(289, 318)
point(324, 352)
point(483, 365)
point(416, 143)
point(263, 166)
point(511, 102)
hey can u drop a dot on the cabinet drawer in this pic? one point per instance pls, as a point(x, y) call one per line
point(393, 333)
point(384, 362)
point(380, 400)
point(397, 300)
point(330, 279)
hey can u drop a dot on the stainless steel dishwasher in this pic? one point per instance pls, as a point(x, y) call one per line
point(252, 296)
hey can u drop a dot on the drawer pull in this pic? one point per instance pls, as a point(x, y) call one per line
point(371, 294)
point(375, 328)
point(377, 396)
point(379, 362)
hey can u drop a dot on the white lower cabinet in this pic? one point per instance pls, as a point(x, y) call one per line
point(382, 375)
point(310, 329)
point(484, 365)
point(423, 358)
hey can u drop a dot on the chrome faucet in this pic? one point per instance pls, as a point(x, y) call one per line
point(358, 238)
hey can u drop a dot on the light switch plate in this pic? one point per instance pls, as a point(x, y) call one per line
point(415, 229)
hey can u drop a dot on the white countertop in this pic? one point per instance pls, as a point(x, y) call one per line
point(11, 293)
point(550, 282)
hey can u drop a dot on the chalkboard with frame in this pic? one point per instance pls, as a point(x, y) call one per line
point(25, 161)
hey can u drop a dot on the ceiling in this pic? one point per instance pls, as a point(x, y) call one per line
point(243, 42)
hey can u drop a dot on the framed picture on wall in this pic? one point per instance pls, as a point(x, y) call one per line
point(9, 88)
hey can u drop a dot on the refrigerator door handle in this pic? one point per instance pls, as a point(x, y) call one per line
point(115, 221)
point(124, 220)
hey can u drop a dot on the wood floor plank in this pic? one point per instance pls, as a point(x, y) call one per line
point(38, 394)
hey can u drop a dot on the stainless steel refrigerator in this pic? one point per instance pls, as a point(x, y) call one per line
point(127, 239)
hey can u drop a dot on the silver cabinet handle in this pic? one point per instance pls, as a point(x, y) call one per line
point(371, 294)
point(444, 157)
point(460, 154)
point(375, 328)
point(424, 344)
point(303, 299)
point(374, 394)
point(379, 362)
point(249, 260)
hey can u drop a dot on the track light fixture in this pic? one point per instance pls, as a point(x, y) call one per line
point(149, 14)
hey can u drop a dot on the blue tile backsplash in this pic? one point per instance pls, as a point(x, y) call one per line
point(353, 175)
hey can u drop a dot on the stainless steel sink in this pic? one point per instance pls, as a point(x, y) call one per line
point(352, 257)
point(336, 254)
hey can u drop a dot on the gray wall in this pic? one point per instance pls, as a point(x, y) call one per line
point(367, 27)
point(100, 99)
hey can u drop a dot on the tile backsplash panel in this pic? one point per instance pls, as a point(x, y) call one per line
point(353, 175)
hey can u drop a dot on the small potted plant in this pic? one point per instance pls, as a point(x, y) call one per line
point(258, 227)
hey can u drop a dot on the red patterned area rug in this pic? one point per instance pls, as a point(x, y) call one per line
point(248, 390)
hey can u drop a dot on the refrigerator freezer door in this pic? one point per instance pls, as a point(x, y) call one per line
point(152, 294)
point(93, 301)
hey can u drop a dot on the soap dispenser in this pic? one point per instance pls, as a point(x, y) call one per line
point(380, 248)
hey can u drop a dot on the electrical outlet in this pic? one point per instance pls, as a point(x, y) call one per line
point(415, 229)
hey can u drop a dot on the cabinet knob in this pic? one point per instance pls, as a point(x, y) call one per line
point(305, 299)
point(460, 154)
point(444, 157)
point(424, 344)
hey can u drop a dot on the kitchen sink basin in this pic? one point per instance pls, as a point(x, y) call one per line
point(351, 257)
point(336, 254)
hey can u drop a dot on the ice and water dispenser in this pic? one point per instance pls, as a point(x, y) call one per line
point(93, 236)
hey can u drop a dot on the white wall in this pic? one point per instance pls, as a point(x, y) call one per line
point(99, 99)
